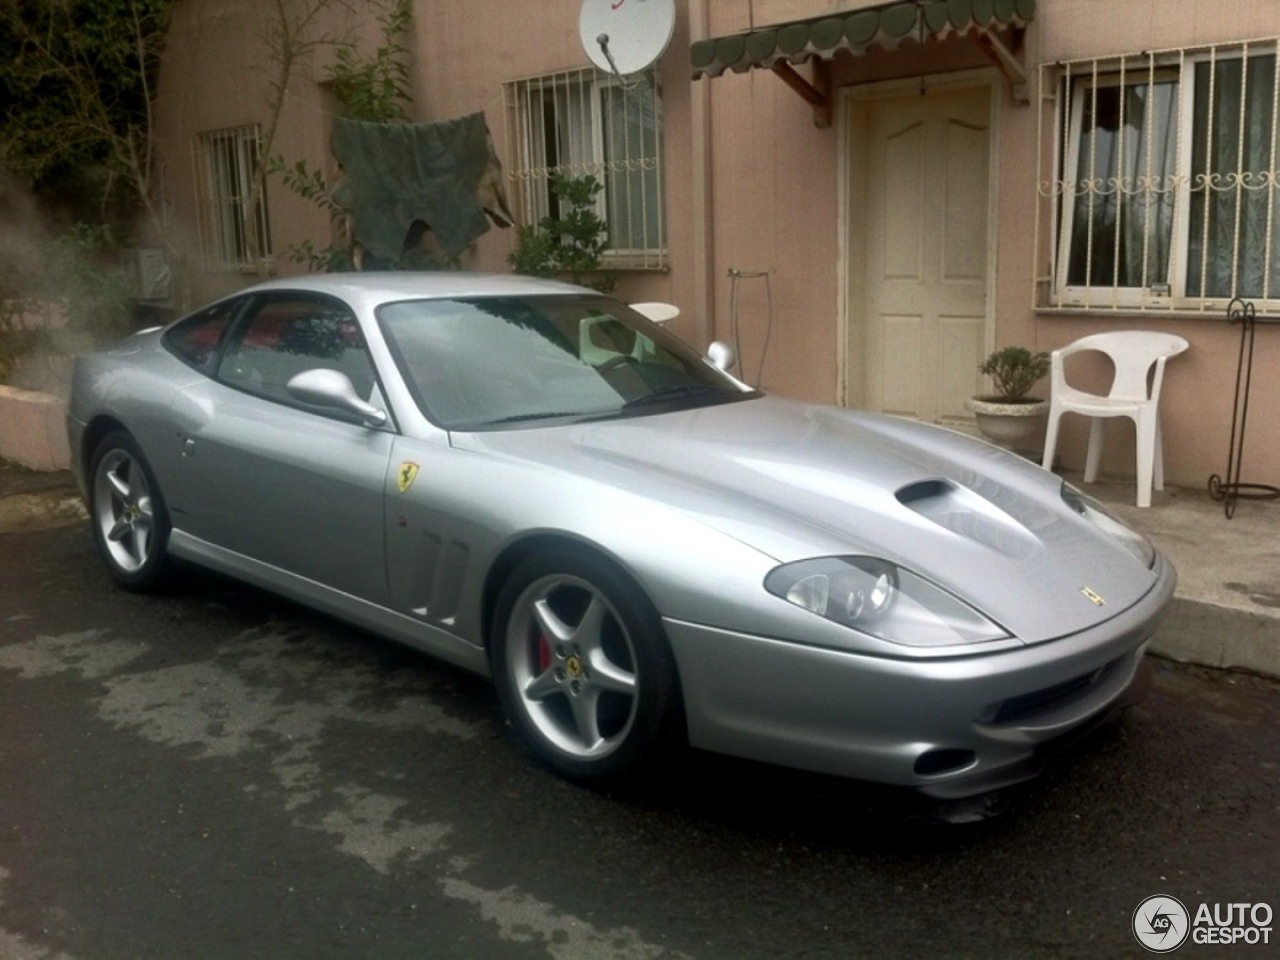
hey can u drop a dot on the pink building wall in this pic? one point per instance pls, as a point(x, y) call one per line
point(1197, 402)
point(752, 184)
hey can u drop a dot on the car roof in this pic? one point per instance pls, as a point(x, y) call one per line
point(372, 288)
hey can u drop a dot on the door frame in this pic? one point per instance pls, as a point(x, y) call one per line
point(852, 196)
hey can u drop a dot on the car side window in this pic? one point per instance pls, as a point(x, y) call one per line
point(195, 340)
point(283, 335)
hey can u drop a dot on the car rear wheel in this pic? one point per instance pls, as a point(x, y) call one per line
point(127, 510)
point(582, 666)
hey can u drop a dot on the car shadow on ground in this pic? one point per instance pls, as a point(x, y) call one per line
point(758, 800)
point(772, 803)
point(766, 800)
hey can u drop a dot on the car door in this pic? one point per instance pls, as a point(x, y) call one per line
point(273, 479)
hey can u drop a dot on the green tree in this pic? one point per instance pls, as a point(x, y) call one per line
point(374, 88)
point(77, 78)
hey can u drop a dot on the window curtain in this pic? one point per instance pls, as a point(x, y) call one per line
point(227, 193)
point(632, 187)
point(571, 134)
point(238, 232)
point(557, 126)
point(1124, 189)
point(1234, 243)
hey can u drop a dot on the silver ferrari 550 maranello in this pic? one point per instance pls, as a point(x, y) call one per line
point(537, 483)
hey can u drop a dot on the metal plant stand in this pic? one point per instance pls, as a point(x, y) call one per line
point(1232, 489)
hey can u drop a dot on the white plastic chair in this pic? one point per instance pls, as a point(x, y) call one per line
point(1133, 352)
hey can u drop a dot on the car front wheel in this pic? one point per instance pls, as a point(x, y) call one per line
point(130, 522)
point(582, 666)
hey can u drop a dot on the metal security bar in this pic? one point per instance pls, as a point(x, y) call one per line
point(585, 123)
point(234, 230)
point(1157, 180)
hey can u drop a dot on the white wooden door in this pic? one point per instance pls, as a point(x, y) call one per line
point(921, 310)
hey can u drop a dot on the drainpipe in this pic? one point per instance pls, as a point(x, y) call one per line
point(703, 226)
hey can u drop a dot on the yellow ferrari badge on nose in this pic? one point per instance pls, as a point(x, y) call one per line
point(1093, 596)
point(405, 476)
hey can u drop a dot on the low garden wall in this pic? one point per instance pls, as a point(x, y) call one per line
point(33, 429)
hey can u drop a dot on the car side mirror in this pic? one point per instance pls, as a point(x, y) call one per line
point(333, 390)
point(722, 355)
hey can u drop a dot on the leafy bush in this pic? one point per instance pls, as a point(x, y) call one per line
point(70, 286)
point(571, 245)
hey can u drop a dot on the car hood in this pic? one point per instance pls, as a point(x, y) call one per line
point(795, 481)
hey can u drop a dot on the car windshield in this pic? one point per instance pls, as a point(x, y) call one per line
point(493, 362)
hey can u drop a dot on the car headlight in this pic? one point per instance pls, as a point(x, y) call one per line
point(1104, 520)
point(881, 599)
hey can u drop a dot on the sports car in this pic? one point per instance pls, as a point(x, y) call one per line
point(535, 482)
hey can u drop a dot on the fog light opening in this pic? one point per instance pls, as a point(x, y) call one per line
point(933, 763)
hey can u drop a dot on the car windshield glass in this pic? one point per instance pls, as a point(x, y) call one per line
point(489, 362)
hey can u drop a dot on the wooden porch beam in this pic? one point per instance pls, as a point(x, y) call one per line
point(1008, 62)
point(816, 94)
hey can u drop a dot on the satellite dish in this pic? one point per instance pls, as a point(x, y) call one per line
point(657, 312)
point(625, 36)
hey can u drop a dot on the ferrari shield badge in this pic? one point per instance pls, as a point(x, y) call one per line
point(405, 475)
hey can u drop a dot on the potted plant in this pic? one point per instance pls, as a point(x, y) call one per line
point(1010, 417)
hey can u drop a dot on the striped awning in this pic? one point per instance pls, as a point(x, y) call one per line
point(884, 27)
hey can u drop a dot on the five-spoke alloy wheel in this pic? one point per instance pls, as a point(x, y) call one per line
point(582, 666)
point(130, 523)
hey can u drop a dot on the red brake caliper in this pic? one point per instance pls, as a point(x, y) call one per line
point(544, 653)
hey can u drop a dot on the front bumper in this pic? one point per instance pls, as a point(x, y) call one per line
point(950, 728)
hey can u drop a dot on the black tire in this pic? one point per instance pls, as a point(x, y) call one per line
point(582, 666)
point(128, 515)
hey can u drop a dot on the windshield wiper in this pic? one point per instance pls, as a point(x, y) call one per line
point(678, 392)
point(540, 415)
point(666, 395)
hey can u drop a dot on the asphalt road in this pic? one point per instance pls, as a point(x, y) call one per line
point(218, 774)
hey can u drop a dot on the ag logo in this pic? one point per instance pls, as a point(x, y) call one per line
point(1161, 924)
point(405, 475)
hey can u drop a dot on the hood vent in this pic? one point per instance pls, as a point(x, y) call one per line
point(913, 493)
point(966, 514)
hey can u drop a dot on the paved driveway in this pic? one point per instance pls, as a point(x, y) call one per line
point(220, 774)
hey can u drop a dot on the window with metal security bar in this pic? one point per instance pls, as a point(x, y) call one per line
point(586, 123)
point(234, 233)
point(1158, 180)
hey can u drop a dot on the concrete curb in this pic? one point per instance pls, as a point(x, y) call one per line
point(1226, 612)
point(1209, 634)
